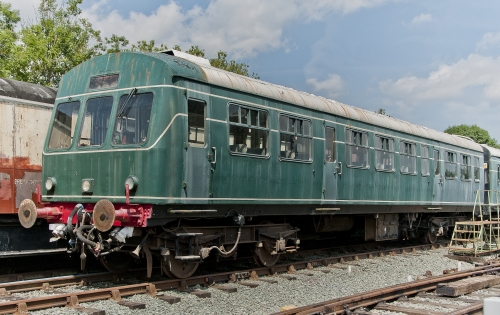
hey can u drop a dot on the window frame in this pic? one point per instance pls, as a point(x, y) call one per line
point(390, 140)
point(468, 166)
point(296, 134)
point(413, 154)
point(425, 159)
point(352, 135)
point(447, 162)
point(334, 145)
point(437, 165)
point(76, 125)
point(114, 114)
point(82, 124)
point(257, 126)
point(197, 144)
point(477, 168)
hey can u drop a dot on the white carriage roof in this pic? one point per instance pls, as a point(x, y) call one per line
point(494, 151)
point(250, 85)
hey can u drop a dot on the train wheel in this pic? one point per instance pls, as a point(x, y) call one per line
point(263, 257)
point(175, 268)
point(430, 237)
point(117, 262)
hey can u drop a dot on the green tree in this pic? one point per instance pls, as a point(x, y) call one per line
point(8, 21)
point(221, 62)
point(58, 41)
point(474, 132)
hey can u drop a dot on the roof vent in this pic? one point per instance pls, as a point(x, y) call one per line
point(199, 60)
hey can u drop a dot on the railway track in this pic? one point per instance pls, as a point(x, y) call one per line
point(58, 297)
point(379, 298)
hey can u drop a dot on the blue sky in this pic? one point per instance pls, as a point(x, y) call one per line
point(433, 63)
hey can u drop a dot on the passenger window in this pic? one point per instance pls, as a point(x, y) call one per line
point(132, 119)
point(63, 127)
point(330, 150)
point(437, 168)
point(384, 154)
point(248, 131)
point(465, 168)
point(476, 169)
point(450, 165)
point(424, 157)
point(356, 149)
point(408, 157)
point(196, 122)
point(295, 138)
point(96, 121)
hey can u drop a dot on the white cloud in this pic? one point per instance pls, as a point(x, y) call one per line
point(333, 86)
point(489, 40)
point(27, 8)
point(422, 18)
point(242, 28)
point(450, 82)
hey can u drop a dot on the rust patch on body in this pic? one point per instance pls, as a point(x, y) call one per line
point(18, 180)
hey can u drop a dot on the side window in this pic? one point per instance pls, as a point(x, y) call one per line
point(498, 173)
point(356, 149)
point(477, 172)
point(408, 157)
point(196, 122)
point(450, 165)
point(384, 154)
point(295, 138)
point(437, 163)
point(96, 121)
point(63, 127)
point(330, 150)
point(465, 168)
point(132, 119)
point(424, 154)
point(248, 131)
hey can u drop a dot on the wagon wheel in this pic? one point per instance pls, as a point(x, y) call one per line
point(175, 268)
point(263, 257)
point(117, 262)
point(430, 237)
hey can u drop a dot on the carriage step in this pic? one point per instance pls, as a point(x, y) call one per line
point(188, 234)
point(188, 258)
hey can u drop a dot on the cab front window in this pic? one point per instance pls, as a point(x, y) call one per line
point(132, 119)
point(63, 126)
point(96, 121)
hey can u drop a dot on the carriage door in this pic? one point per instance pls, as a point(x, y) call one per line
point(199, 154)
point(333, 167)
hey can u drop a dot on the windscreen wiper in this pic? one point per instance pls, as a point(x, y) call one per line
point(122, 108)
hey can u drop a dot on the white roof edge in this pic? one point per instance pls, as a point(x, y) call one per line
point(282, 93)
point(192, 58)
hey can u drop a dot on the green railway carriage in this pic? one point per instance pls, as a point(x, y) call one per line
point(148, 141)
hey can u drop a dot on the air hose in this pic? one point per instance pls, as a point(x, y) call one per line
point(204, 252)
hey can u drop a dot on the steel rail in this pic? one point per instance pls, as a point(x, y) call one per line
point(71, 299)
point(81, 279)
point(341, 305)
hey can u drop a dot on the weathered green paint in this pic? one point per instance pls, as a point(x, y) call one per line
point(172, 172)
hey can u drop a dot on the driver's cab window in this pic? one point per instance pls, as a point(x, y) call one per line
point(132, 119)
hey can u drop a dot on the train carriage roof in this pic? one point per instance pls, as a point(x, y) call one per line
point(235, 81)
point(27, 91)
point(493, 151)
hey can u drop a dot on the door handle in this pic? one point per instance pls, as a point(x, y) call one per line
point(338, 169)
point(215, 155)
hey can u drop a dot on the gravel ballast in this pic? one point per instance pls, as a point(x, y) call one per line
point(311, 286)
